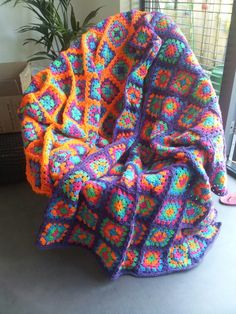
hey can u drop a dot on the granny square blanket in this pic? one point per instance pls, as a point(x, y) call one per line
point(123, 132)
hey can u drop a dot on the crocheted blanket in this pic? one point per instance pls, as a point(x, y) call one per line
point(123, 132)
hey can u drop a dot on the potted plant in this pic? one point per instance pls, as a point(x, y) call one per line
point(56, 26)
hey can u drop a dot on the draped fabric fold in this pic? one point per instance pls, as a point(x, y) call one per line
point(123, 133)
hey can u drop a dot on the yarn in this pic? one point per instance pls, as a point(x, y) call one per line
point(124, 133)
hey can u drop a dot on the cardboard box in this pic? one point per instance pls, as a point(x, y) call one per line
point(14, 79)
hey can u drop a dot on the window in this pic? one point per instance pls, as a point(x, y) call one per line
point(206, 26)
point(210, 27)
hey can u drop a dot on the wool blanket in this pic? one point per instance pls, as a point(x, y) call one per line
point(123, 132)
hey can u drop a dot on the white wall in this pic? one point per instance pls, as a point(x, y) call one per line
point(11, 48)
point(84, 7)
point(11, 18)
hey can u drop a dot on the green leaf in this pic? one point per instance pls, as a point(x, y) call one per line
point(28, 40)
point(65, 20)
point(49, 43)
point(37, 12)
point(60, 38)
point(40, 28)
point(73, 19)
point(7, 1)
point(91, 15)
point(88, 25)
point(64, 4)
point(40, 53)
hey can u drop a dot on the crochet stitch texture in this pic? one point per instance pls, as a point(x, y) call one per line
point(123, 132)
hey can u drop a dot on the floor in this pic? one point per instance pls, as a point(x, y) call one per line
point(71, 281)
